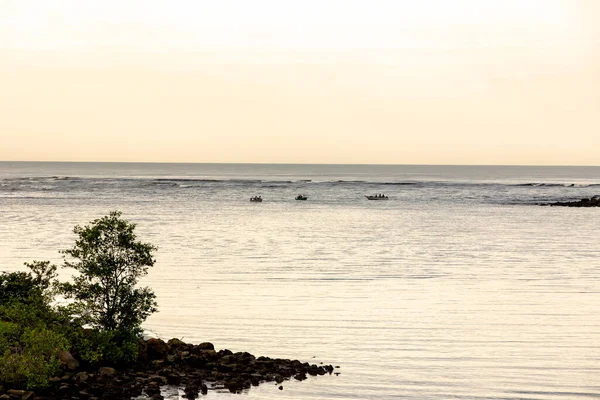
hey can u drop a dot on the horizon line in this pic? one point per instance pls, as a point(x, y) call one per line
point(284, 163)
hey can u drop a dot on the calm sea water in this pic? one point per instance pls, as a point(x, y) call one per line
point(457, 287)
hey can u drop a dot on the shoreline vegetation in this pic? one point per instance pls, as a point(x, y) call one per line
point(90, 346)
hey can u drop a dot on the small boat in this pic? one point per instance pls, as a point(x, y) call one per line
point(301, 197)
point(256, 199)
point(377, 197)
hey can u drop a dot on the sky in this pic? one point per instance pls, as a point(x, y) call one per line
point(275, 81)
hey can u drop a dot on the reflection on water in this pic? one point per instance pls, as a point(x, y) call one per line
point(413, 299)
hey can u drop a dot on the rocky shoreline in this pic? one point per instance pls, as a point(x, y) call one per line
point(590, 202)
point(194, 368)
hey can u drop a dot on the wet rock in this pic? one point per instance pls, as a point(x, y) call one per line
point(173, 379)
point(191, 391)
point(233, 386)
point(152, 389)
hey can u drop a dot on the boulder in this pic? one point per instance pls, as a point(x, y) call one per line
point(107, 371)
point(206, 346)
point(81, 376)
point(176, 343)
point(67, 360)
point(156, 349)
point(300, 377)
point(191, 391)
point(27, 396)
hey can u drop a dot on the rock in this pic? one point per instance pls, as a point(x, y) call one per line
point(206, 346)
point(591, 202)
point(233, 386)
point(156, 349)
point(27, 396)
point(224, 352)
point(152, 389)
point(158, 380)
point(67, 360)
point(191, 391)
point(300, 377)
point(107, 371)
point(81, 376)
point(14, 392)
point(176, 343)
point(173, 379)
point(178, 364)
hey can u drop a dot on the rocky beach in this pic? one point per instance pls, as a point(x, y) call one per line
point(195, 369)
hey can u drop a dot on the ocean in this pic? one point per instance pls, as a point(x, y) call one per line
point(459, 286)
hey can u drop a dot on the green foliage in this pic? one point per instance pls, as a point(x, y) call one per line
point(34, 361)
point(25, 297)
point(9, 335)
point(107, 347)
point(28, 287)
point(16, 286)
point(105, 297)
point(25, 314)
point(110, 262)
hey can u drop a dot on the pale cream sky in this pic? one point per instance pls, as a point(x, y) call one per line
point(348, 81)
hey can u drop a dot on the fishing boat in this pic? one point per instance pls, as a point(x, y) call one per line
point(377, 197)
point(301, 197)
